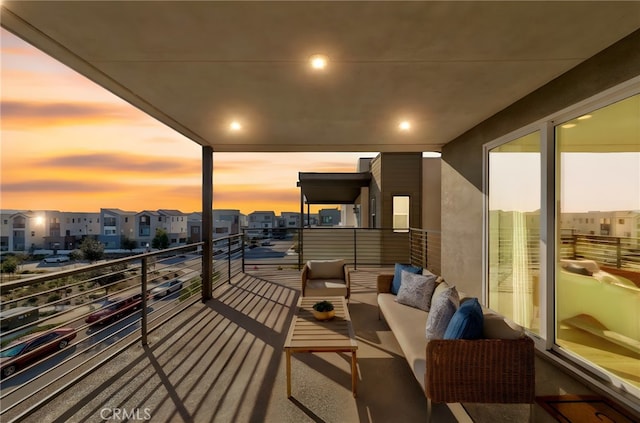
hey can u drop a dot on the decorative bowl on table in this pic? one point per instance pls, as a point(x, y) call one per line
point(323, 310)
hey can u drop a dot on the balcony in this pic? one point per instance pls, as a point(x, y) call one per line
point(222, 359)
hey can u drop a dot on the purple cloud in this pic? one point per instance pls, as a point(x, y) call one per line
point(122, 163)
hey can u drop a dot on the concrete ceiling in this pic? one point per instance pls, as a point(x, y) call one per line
point(446, 66)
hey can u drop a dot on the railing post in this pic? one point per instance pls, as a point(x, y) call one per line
point(355, 249)
point(242, 240)
point(229, 260)
point(144, 301)
point(618, 253)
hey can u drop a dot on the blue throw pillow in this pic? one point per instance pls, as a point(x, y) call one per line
point(467, 321)
point(397, 275)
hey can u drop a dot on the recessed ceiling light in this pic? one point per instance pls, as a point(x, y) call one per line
point(405, 125)
point(235, 126)
point(568, 125)
point(318, 61)
point(583, 117)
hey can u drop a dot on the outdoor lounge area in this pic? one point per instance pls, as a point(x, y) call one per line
point(223, 361)
point(487, 120)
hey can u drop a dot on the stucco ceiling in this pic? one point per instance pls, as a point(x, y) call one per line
point(445, 66)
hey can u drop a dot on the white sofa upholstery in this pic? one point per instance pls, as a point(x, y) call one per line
point(497, 369)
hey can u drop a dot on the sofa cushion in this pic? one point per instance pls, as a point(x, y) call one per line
point(326, 288)
point(440, 288)
point(442, 310)
point(407, 325)
point(467, 321)
point(499, 327)
point(397, 275)
point(326, 269)
point(416, 290)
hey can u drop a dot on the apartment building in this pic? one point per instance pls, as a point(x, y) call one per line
point(329, 217)
point(117, 225)
point(624, 224)
point(261, 224)
point(46, 229)
point(226, 222)
point(174, 222)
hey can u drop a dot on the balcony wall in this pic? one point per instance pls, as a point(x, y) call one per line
point(462, 168)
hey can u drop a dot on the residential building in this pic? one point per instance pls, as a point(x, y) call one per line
point(47, 229)
point(226, 222)
point(329, 217)
point(174, 222)
point(261, 224)
point(117, 225)
point(194, 227)
point(609, 223)
point(147, 222)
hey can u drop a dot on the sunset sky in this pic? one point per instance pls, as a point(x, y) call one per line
point(68, 144)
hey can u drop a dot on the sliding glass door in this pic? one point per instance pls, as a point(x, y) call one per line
point(598, 239)
point(514, 230)
point(576, 178)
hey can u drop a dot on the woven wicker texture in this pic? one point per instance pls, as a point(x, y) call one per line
point(481, 371)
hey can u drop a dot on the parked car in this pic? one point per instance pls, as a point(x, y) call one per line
point(166, 288)
point(23, 352)
point(56, 259)
point(114, 309)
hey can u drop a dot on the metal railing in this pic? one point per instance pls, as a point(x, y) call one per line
point(107, 306)
point(611, 251)
point(84, 298)
point(357, 246)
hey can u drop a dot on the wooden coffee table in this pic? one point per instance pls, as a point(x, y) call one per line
point(306, 334)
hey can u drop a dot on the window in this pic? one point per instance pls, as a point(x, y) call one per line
point(126, 220)
point(514, 229)
point(401, 207)
point(373, 212)
point(598, 150)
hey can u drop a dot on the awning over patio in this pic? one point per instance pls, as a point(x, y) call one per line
point(332, 188)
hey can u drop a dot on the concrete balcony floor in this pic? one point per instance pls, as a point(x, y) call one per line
point(223, 361)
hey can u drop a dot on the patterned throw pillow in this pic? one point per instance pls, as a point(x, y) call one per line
point(416, 290)
point(397, 275)
point(442, 310)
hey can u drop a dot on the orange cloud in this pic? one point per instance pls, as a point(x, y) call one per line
point(125, 163)
point(26, 114)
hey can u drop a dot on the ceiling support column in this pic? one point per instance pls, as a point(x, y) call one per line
point(207, 223)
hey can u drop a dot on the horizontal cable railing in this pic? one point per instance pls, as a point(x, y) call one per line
point(85, 316)
point(609, 251)
point(99, 310)
point(357, 246)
